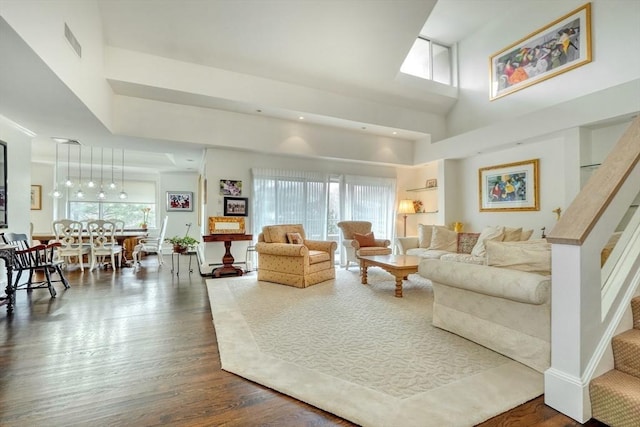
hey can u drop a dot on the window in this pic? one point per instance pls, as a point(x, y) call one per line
point(428, 60)
point(141, 194)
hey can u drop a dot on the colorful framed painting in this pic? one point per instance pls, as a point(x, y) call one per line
point(554, 49)
point(510, 187)
point(36, 197)
point(179, 201)
point(230, 187)
point(236, 206)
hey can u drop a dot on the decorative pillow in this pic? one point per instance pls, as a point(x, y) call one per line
point(489, 233)
point(512, 234)
point(295, 238)
point(424, 235)
point(526, 235)
point(533, 256)
point(466, 242)
point(365, 240)
point(443, 239)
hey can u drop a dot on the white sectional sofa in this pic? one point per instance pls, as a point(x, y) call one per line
point(504, 305)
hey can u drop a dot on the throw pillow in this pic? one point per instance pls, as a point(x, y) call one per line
point(365, 240)
point(466, 242)
point(489, 233)
point(443, 239)
point(424, 236)
point(295, 238)
point(512, 234)
point(533, 257)
point(526, 235)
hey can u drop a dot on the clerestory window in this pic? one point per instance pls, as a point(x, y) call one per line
point(428, 60)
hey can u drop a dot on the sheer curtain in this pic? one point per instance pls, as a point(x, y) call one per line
point(371, 199)
point(291, 197)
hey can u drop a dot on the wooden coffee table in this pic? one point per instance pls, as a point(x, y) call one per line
point(398, 265)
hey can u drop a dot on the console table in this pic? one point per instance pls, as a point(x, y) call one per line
point(7, 253)
point(227, 268)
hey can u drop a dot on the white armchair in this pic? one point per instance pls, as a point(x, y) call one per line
point(351, 246)
point(151, 245)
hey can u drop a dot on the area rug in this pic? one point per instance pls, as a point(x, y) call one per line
point(359, 352)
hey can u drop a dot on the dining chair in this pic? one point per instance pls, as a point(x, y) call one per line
point(103, 243)
point(69, 233)
point(151, 244)
point(119, 225)
point(42, 258)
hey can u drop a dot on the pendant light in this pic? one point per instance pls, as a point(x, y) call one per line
point(80, 193)
point(101, 193)
point(56, 193)
point(112, 184)
point(68, 183)
point(123, 195)
point(91, 183)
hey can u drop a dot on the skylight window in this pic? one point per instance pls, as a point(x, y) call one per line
point(428, 60)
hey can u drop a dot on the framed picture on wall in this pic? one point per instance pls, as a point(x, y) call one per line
point(36, 197)
point(230, 187)
point(236, 206)
point(510, 187)
point(180, 201)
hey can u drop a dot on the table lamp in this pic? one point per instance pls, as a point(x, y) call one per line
point(406, 207)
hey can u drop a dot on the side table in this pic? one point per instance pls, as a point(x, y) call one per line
point(176, 265)
point(227, 259)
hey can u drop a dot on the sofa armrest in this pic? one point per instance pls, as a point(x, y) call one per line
point(498, 282)
point(321, 245)
point(283, 249)
point(382, 243)
point(404, 243)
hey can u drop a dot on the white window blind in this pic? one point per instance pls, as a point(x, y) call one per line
point(371, 199)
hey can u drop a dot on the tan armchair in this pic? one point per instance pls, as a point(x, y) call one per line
point(300, 265)
point(351, 246)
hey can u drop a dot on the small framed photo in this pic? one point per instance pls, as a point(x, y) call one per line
point(510, 187)
point(230, 187)
point(236, 206)
point(179, 201)
point(431, 183)
point(36, 197)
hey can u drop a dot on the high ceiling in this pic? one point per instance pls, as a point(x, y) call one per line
point(352, 47)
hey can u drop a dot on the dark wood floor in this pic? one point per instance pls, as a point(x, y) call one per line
point(138, 347)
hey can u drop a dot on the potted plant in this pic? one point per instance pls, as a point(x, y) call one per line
point(181, 244)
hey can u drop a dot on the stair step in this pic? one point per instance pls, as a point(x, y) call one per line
point(635, 309)
point(615, 399)
point(626, 352)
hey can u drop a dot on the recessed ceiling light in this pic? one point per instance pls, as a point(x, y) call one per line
point(364, 127)
point(258, 111)
point(189, 160)
point(301, 117)
point(60, 139)
point(395, 133)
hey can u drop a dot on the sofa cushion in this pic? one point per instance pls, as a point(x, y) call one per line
point(295, 238)
point(318, 256)
point(489, 233)
point(512, 234)
point(467, 258)
point(426, 253)
point(526, 235)
point(424, 235)
point(365, 240)
point(466, 242)
point(533, 256)
point(443, 239)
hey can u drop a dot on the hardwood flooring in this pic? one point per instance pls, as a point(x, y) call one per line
point(138, 348)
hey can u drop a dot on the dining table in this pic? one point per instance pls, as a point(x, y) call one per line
point(127, 239)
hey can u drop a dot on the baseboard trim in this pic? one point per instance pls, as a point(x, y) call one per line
point(567, 394)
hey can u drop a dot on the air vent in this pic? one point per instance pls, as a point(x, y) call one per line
point(72, 40)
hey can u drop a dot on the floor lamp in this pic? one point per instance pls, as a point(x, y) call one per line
point(406, 207)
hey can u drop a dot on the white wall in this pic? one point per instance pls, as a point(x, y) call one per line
point(177, 225)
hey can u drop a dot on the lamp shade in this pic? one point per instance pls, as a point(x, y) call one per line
point(406, 207)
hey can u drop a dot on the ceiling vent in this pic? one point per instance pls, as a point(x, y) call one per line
point(72, 40)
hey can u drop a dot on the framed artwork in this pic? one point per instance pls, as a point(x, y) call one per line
point(512, 186)
point(179, 201)
point(225, 225)
point(236, 206)
point(36, 197)
point(556, 48)
point(431, 183)
point(230, 187)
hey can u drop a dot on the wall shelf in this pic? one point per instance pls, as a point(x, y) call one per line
point(425, 212)
point(594, 165)
point(414, 190)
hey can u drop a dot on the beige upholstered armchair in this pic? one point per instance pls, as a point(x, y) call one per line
point(352, 247)
point(285, 256)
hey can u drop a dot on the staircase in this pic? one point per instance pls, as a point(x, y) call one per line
point(615, 396)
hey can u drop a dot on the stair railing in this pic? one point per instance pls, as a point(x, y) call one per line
point(584, 313)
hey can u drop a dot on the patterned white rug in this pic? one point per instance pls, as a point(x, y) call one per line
point(361, 353)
